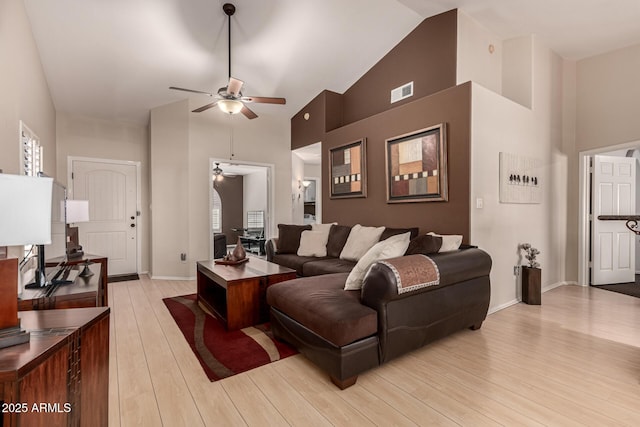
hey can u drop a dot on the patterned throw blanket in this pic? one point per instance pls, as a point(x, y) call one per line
point(413, 272)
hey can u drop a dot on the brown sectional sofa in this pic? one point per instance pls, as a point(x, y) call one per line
point(314, 266)
point(346, 332)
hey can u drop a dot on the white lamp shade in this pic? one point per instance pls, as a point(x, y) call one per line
point(77, 211)
point(25, 210)
point(230, 106)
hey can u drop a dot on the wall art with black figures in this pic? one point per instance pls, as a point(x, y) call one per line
point(520, 179)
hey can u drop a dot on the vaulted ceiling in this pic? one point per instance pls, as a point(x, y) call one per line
point(116, 59)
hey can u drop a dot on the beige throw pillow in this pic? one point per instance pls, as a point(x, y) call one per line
point(313, 243)
point(394, 246)
point(450, 242)
point(360, 240)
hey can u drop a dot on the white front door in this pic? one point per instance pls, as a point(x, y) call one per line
point(613, 245)
point(111, 189)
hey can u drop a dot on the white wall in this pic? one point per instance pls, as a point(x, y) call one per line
point(297, 194)
point(254, 193)
point(475, 61)
point(608, 99)
point(314, 171)
point(502, 125)
point(182, 144)
point(170, 203)
point(517, 74)
point(24, 93)
point(101, 139)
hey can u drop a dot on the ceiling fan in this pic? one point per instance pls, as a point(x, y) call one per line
point(229, 98)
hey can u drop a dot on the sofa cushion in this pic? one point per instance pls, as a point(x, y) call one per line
point(338, 236)
point(323, 306)
point(316, 267)
point(360, 240)
point(292, 261)
point(425, 245)
point(388, 232)
point(394, 246)
point(450, 242)
point(289, 237)
point(313, 243)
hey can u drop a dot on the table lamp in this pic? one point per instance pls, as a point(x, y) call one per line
point(77, 211)
point(25, 219)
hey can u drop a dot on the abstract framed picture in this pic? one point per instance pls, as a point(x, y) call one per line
point(348, 170)
point(417, 166)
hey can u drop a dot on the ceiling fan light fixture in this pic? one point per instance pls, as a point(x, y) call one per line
point(217, 173)
point(230, 106)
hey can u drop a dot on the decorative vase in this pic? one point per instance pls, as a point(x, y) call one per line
point(239, 252)
point(531, 293)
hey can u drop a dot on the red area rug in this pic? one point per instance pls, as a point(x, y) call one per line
point(220, 352)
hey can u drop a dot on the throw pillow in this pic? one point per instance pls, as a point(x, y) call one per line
point(388, 232)
point(360, 240)
point(323, 227)
point(313, 243)
point(289, 237)
point(450, 242)
point(338, 235)
point(425, 245)
point(394, 246)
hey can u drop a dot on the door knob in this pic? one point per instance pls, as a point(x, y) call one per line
point(132, 226)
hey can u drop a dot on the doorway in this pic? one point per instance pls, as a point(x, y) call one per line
point(240, 191)
point(112, 189)
point(586, 240)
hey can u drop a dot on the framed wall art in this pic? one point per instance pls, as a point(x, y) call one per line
point(348, 170)
point(417, 166)
point(520, 179)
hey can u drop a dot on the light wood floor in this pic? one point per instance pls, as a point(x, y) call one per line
point(574, 361)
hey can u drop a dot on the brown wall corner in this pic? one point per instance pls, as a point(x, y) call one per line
point(427, 56)
point(324, 112)
point(231, 194)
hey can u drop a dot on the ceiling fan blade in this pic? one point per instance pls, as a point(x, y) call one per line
point(234, 86)
point(205, 107)
point(190, 90)
point(264, 100)
point(248, 113)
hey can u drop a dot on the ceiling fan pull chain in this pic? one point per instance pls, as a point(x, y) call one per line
point(232, 154)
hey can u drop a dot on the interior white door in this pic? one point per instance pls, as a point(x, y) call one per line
point(111, 189)
point(613, 245)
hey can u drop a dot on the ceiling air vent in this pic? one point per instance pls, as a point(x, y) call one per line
point(402, 92)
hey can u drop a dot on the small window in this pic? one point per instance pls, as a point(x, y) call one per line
point(216, 213)
point(32, 156)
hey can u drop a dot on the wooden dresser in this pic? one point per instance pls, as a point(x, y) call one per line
point(61, 377)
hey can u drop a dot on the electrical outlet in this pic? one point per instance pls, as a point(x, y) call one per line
point(516, 270)
point(183, 257)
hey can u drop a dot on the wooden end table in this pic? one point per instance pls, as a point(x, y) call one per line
point(237, 293)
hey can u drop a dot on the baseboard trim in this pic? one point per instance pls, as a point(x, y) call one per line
point(503, 306)
point(543, 290)
point(172, 278)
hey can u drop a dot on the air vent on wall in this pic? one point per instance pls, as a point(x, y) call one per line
point(402, 92)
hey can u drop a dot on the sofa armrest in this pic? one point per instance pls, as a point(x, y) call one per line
point(380, 285)
point(271, 247)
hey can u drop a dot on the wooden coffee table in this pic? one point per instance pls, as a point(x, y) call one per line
point(237, 294)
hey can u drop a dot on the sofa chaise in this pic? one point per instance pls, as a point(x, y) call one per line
point(403, 303)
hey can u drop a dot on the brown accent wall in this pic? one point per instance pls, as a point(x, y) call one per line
point(231, 194)
point(451, 106)
point(325, 113)
point(426, 56)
